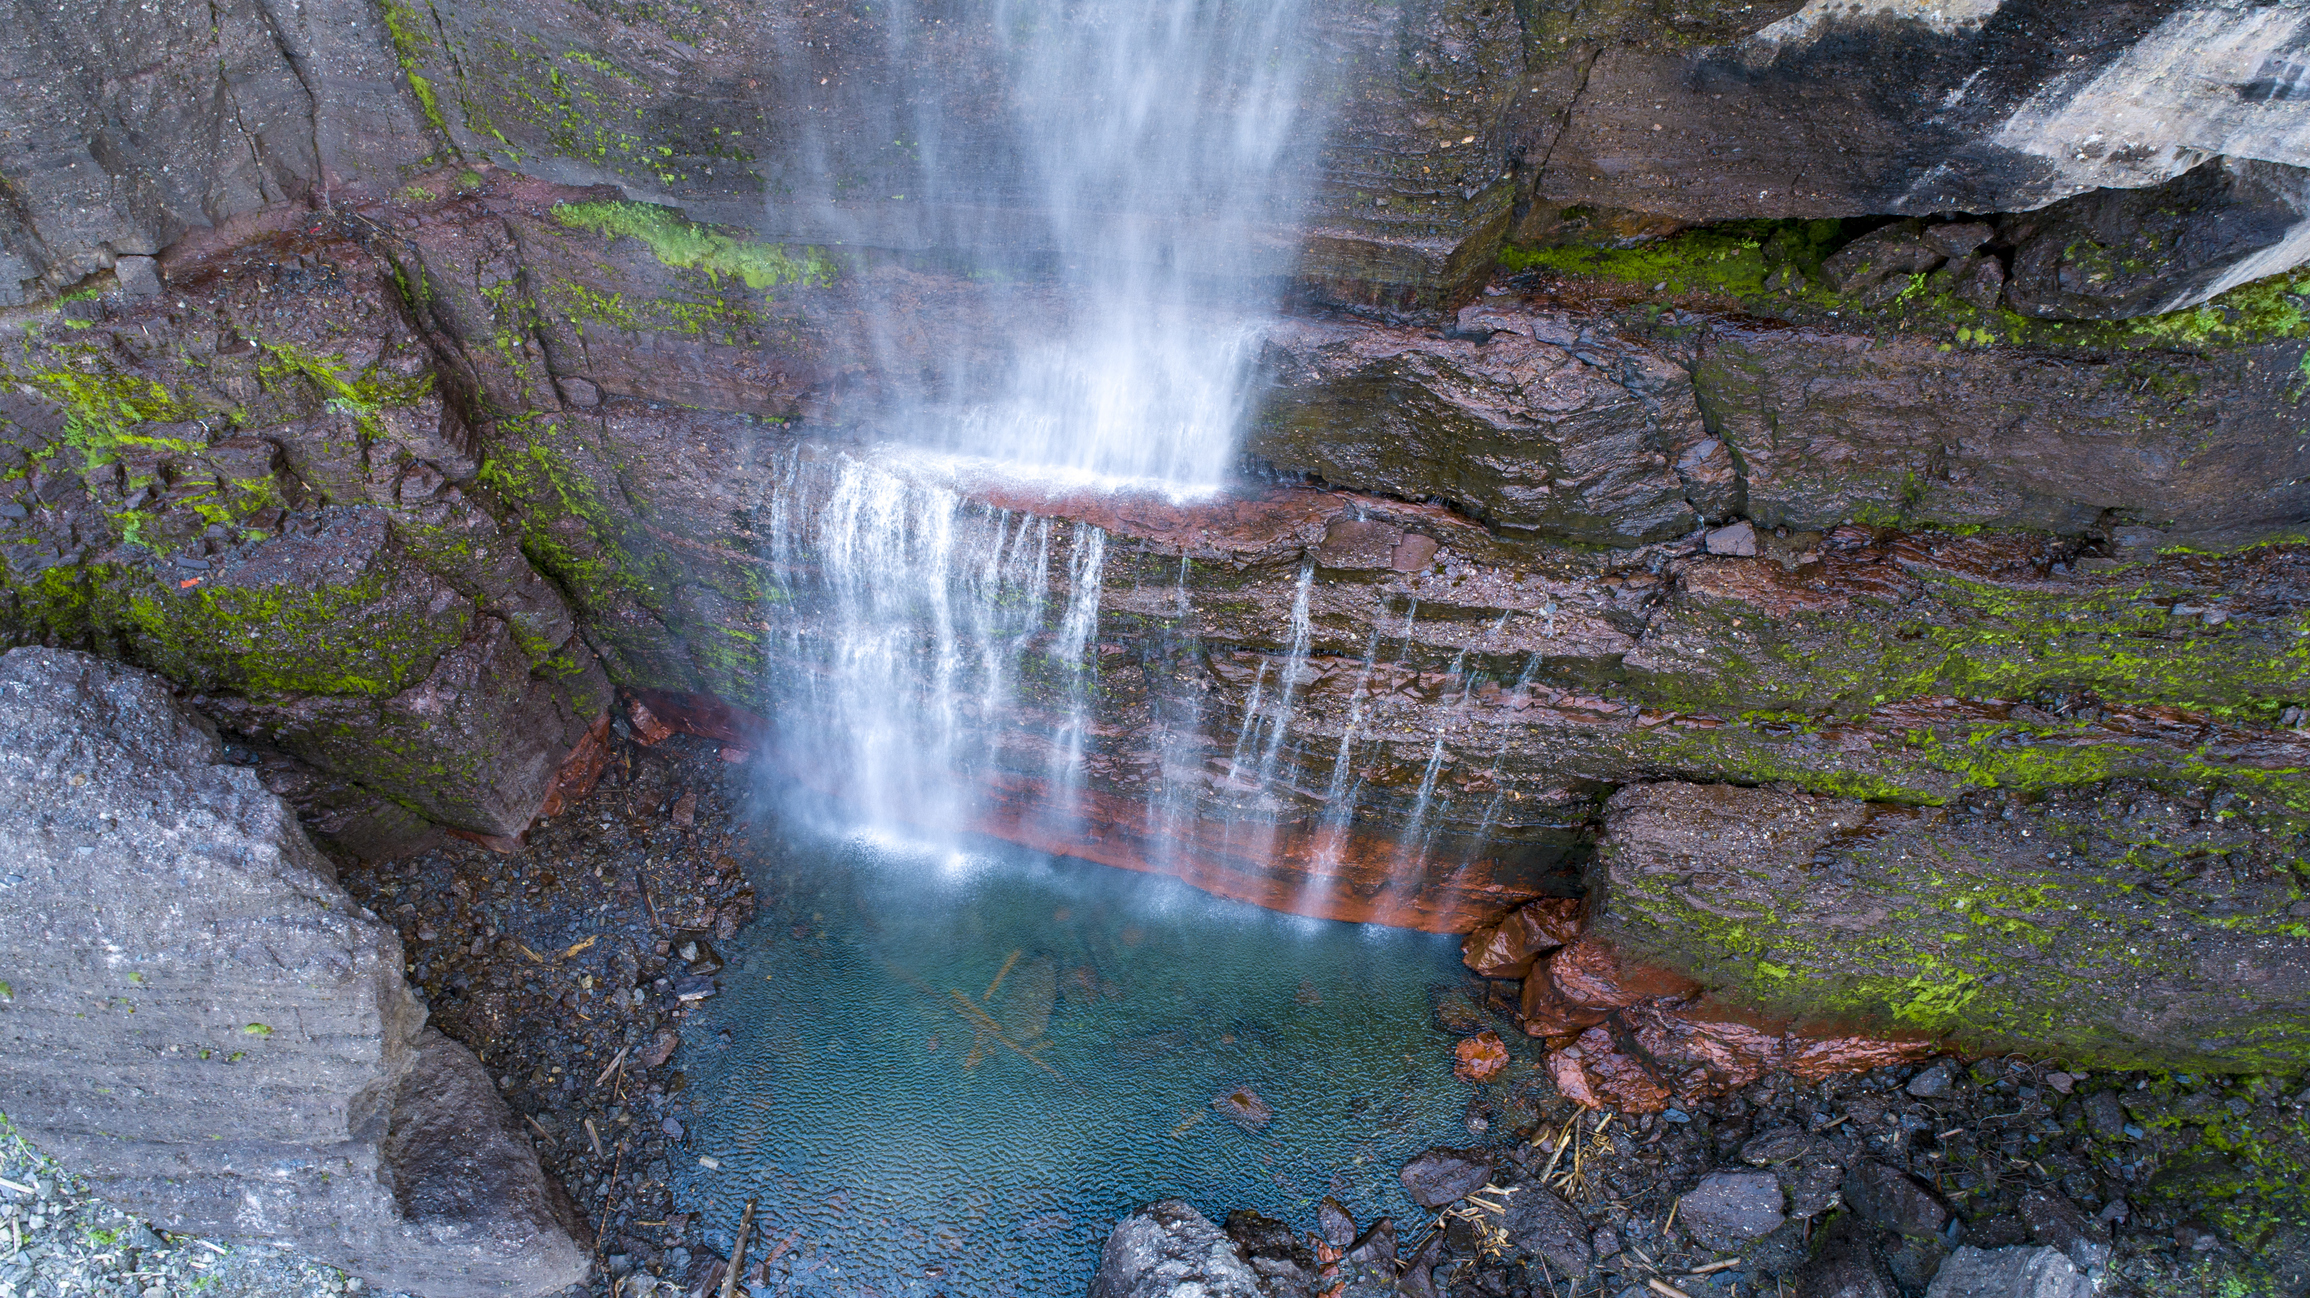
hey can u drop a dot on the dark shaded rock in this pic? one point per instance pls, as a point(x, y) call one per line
point(2009, 1273)
point(1810, 1170)
point(1169, 1250)
point(1794, 113)
point(1735, 539)
point(1540, 1224)
point(139, 276)
point(1539, 431)
point(1283, 1263)
point(2104, 1116)
point(1259, 1235)
point(1337, 1223)
point(1887, 1197)
point(1833, 426)
point(1845, 1265)
point(1376, 1246)
point(1729, 1209)
point(1441, 1177)
point(1957, 238)
point(1934, 1082)
point(2115, 253)
point(1849, 916)
point(2055, 1221)
point(274, 1080)
point(1893, 253)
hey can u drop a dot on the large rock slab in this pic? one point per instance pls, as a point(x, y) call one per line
point(2085, 924)
point(1169, 1250)
point(198, 1019)
point(1837, 109)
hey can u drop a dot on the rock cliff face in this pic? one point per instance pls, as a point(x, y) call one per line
point(1966, 504)
point(200, 1021)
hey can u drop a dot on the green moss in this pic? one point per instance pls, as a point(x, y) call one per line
point(413, 43)
point(104, 405)
point(1773, 269)
point(677, 241)
point(264, 643)
point(363, 395)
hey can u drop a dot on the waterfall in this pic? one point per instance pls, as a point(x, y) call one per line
point(1110, 190)
point(914, 620)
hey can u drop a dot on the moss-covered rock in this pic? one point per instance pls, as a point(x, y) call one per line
point(2127, 925)
point(255, 492)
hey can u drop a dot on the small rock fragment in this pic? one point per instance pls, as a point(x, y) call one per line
point(2104, 1115)
point(1336, 1222)
point(1845, 1266)
point(1735, 539)
point(1957, 238)
point(2055, 1221)
point(1728, 1209)
point(1539, 1224)
point(1933, 1083)
point(1445, 1176)
point(1889, 1197)
point(1376, 1246)
point(139, 276)
point(1169, 1250)
point(1480, 1058)
point(2009, 1273)
point(1244, 1108)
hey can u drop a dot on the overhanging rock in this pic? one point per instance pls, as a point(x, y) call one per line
point(197, 1018)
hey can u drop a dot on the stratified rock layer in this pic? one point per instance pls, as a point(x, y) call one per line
point(201, 1022)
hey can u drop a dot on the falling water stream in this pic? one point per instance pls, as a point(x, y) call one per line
point(951, 1066)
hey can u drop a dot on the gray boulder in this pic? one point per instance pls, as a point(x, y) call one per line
point(1169, 1250)
point(200, 1020)
point(2019, 1272)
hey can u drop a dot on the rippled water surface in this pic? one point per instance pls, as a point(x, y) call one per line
point(951, 1074)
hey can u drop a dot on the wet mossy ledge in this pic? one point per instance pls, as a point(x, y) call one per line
point(510, 444)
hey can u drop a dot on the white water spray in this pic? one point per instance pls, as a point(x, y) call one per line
point(1120, 183)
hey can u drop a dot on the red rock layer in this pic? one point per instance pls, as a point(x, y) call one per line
point(1639, 1038)
point(1324, 873)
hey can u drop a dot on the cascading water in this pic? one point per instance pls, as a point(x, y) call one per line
point(951, 1081)
point(1146, 161)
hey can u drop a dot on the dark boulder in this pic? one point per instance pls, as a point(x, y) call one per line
point(1845, 1264)
point(2115, 253)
